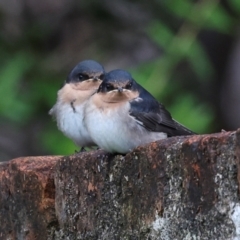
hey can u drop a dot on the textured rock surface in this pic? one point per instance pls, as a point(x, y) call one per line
point(179, 188)
point(27, 198)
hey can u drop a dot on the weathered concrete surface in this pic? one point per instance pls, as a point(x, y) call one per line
point(179, 188)
point(27, 198)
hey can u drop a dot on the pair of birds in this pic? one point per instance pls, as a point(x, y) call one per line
point(110, 110)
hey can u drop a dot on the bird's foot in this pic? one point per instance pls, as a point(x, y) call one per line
point(81, 150)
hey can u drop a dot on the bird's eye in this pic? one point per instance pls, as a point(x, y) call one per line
point(101, 76)
point(109, 87)
point(82, 77)
point(129, 85)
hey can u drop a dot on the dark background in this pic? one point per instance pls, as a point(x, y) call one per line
point(186, 53)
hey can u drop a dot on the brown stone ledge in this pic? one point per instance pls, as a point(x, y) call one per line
point(179, 188)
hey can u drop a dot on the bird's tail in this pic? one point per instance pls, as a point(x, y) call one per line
point(182, 130)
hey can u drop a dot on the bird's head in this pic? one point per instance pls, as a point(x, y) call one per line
point(118, 85)
point(86, 75)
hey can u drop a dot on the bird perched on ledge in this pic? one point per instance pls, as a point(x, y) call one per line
point(123, 115)
point(81, 83)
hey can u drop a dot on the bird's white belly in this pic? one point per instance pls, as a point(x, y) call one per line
point(70, 122)
point(110, 135)
point(116, 130)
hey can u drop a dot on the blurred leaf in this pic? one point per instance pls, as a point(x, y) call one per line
point(200, 61)
point(13, 106)
point(55, 142)
point(180, 8)
point(187, 111)
point(203, 14)
point(217, 18)
point(45, 86)
point(235, 5)
point(180, 48)
point(161, 33)
point(154, 76)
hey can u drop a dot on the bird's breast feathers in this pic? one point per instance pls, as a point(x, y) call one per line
point(112, 100)
point(68, 93)
point(114, 129)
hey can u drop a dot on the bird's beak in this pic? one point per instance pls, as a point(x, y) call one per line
point(120, 89)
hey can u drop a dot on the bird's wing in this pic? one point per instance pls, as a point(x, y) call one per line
point(154, 117)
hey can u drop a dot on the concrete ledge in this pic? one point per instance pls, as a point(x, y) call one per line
point(179, 188)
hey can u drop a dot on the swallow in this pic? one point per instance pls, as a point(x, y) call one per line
point(82, 82)
point(123, 115)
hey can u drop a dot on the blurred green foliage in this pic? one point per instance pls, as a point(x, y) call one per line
point(235, 5)
point(24, 101)
point(10, 75)
point(183, 45)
